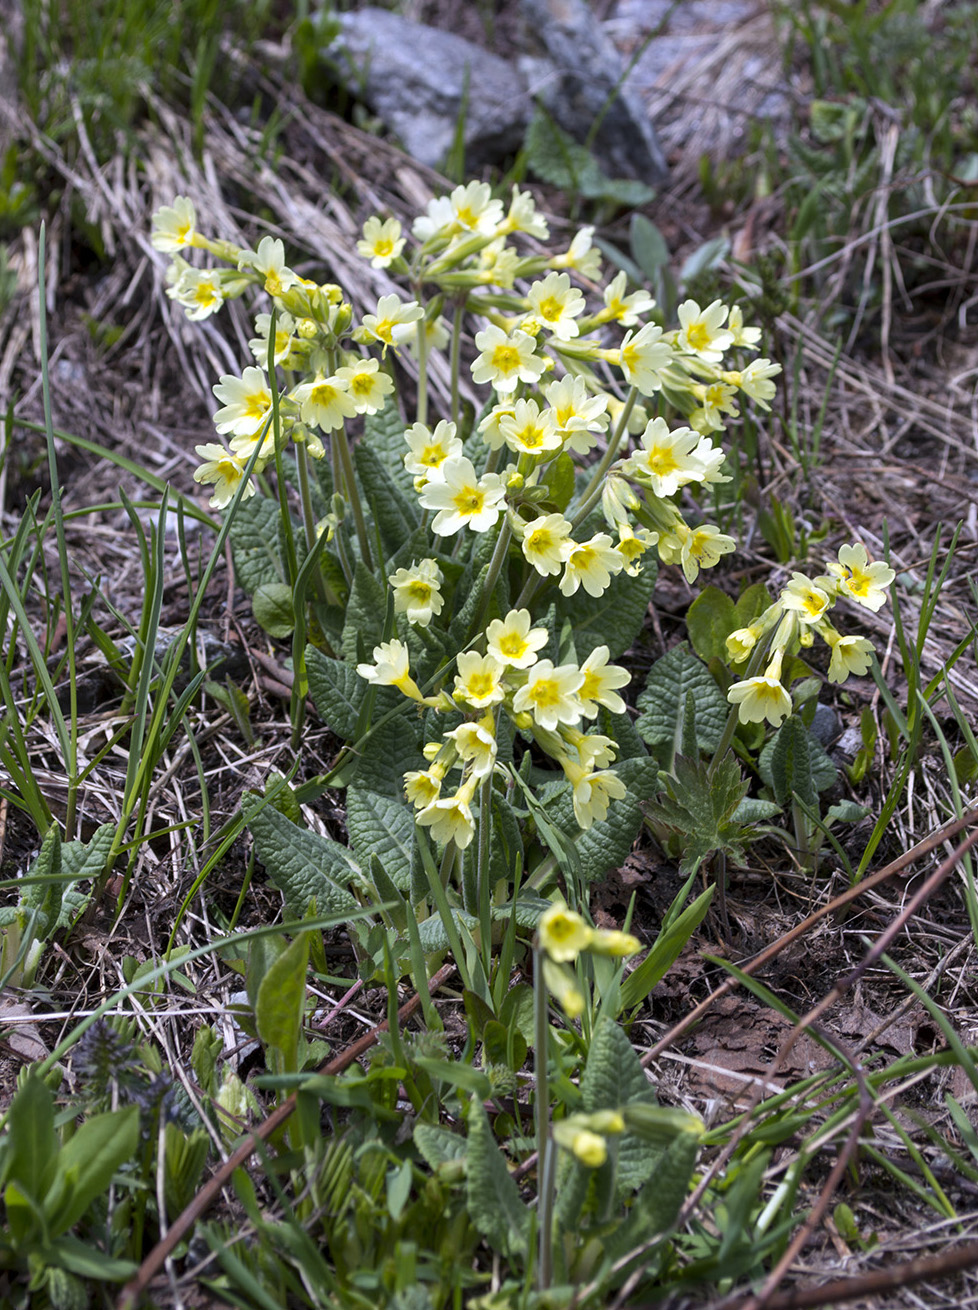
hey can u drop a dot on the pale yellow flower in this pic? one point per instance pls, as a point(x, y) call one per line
point(576, 413)
point(667, 460)
point(224, 470)
point(247, 401)
point(174, 226)
point(417, 591)
point(591, 564)
point(421, 787)
point(269, 261)
point(593, 793)
point(513, 642)
point(394, 322)
point(479, 679)
point(755, 381)
point(702, 547)
point(391, 668)
point(463, 500)
point(556, 304)
point(740, 643)
point(199, 291)
point(550, 694)
point(702, 332)
point(476, 745)
point(382, 242)
point(523, 216)
point(762, 698)
point(547, 543)
point(582, 255)
point(429, 450)
point(849, 655)
point(325, 402)
point(450, 818)
point(563, 933)
point(742, 336)
point(528, 431)
point(506, 360)
point(625, 309)
point(642, 357)
point(284, 339)
point(804, 598)
point(632, 545)
point(600, 681)
point(367, 385)
point(860, 580)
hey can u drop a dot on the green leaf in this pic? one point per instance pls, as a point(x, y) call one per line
point(44, 898)
point(560, 479)
point(700, 804)
point(388, 894)
point(391, 749)
point(437, 1145)
point(458, 1075)
point(81, 861)
point(255, 548)
point(707, 257)
point(366, 611)
point(304, 866)
point(434, 935)
point(605, 845)
point(656, 1208)
point(381, 826)
point(280, 1006)
point(613, 619)
point(796, 763)
point(753, 601)
point(663, 698)
point(649, 249)
point(709, 621)
point(664, 952)
point(846, 811)
point(33, 1142)
point(273, 608)
point(337, 691)
point(71, 1253)
point(494, 1202)
point(613, 1078)
point(383, 435)
point(395, 513)
point(87, 1164)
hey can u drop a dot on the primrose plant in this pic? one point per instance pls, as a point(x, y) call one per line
point(542, 499)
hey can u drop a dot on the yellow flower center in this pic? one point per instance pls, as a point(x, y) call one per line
point(362, 384)
point(433, 457)
point(255, 405)
point(546, 693)
point(480, 685)
point(505, 359)
point(662, 460)
point(383, 246)
point(551, 309)
point(322, 395)
point(419, 592)
point(698, 336)
point(469, 500)
point(513, 645)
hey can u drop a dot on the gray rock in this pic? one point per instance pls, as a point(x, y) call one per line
point(416, 77)
point(581, 81)
point(826, 724)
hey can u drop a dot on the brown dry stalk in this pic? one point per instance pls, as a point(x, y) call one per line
point(209, 1193)
point(769, 953)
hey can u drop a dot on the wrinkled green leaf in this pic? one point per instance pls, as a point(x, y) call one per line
point(366, 611)
point(303, 865)
point(337, 692)
point(255, 548)
point(605, 845)
point(662, 701)
point(494, 1201)
point(613, 619)
point(381, 826)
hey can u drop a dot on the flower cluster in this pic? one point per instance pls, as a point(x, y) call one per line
point(796, 617)
point(548, 361)
point(567, 380)
point(549, 702)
